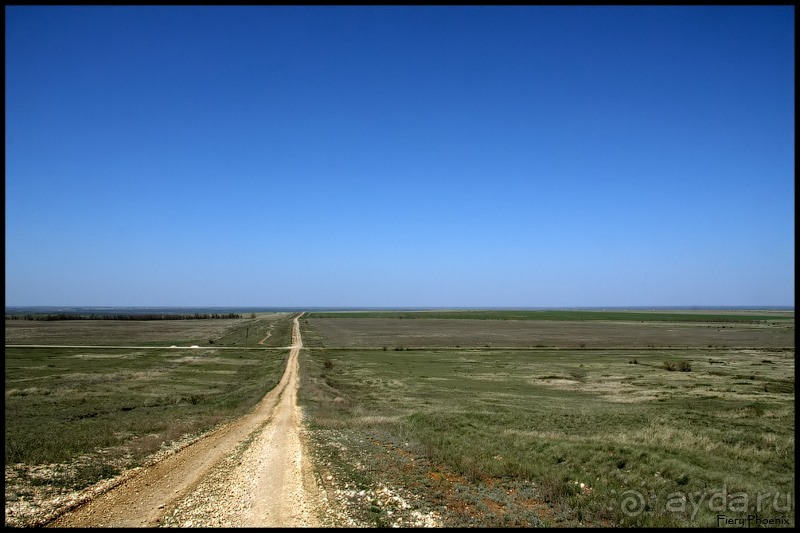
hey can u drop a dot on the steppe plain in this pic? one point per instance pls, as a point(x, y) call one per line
point(430, 418)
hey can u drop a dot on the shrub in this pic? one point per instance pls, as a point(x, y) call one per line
point(193, 399)
point(683, 366)
point(578, 374)
point(328, 364)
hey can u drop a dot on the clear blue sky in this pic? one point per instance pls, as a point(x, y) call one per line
point(400, 156)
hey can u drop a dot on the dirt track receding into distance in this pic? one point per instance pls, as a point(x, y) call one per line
point(251, 472)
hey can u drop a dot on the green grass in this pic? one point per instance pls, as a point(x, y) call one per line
point(427, 333)
point(561, 315)
point(487, 437)
point(224, 332)
point(506, 437)
point(75, 416)
point(248, 333)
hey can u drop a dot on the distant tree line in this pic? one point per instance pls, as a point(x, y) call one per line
point(135, 316)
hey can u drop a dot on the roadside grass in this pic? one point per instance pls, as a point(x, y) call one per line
point(76, 416)
point(61, 403)
point(561, 437)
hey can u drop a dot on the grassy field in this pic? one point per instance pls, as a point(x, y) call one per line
point(241, 332)
point(561, 315)
point(447, 420)
point(74, 416)
point(555, 436)
point(473, 333)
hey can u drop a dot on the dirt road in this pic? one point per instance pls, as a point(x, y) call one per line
point(251, 472)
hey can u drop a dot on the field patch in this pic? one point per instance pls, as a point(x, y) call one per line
point(559, 437)
point(560, 315)
point(74, 417)
point(224, 332)
point(399, 334)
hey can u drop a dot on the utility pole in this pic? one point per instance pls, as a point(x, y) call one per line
point(246, 336)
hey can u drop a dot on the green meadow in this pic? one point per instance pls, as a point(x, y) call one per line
point(560, 315)
point(563, 436)
point(491, 421)
point(75, 416)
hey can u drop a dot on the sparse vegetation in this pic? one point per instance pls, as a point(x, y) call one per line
point(90, 400)
point(683, 366)
point(187, 332)
point(565, 315)
point(497, 437)
point(124, 316)
point(363, 332)
point(475, 433)
point(78, 415)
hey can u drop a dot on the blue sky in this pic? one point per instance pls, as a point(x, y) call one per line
point(526, 156)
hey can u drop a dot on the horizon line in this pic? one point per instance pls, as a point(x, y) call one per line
point(401, 307)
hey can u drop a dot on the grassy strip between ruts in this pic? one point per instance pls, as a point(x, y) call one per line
point(557, 438)
point(649, 316)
